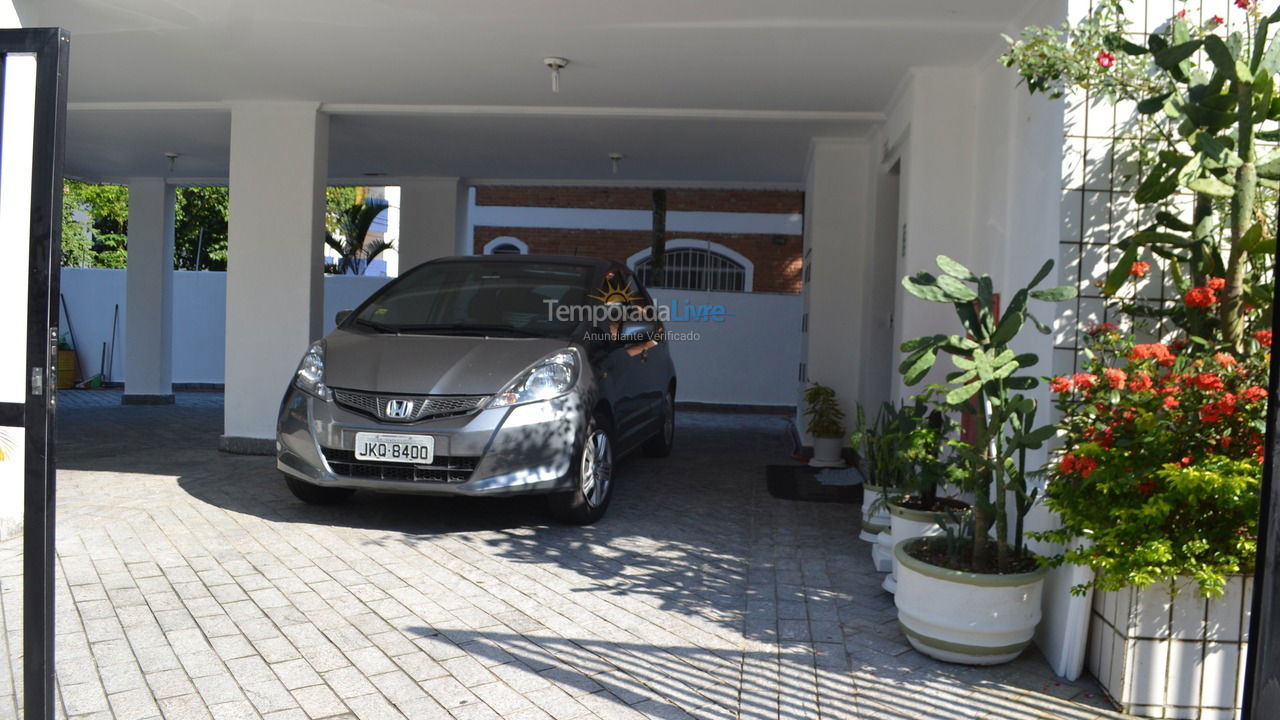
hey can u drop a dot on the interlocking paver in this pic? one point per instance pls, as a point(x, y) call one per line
point(192, 585)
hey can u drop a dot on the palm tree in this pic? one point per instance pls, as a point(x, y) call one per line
point(349, 238)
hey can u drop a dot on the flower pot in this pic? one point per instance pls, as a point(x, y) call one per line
point(873, 523)
point(1165, 652)
point(905, 523)
point(964, 617)
point(827, 452)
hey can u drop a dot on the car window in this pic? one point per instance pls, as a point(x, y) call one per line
point(454, 297)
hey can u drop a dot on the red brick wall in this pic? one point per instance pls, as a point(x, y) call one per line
point(777, 268)
point(614, 198)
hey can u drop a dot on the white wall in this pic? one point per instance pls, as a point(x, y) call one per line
point(749, 359)
point(199, 324)
point(16, 132)
point(839, 241)
point(91, 296)
point(8, 15)
point(761, 327)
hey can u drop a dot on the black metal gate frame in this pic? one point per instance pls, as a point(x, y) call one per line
point(37, 414)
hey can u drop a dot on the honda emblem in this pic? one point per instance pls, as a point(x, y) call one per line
point(399, 409)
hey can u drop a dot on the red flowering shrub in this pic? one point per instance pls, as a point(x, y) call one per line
point(1200, 297)
point(1139, 269)
point(1106, 59)
point(1156, 351)
point(1161, 461)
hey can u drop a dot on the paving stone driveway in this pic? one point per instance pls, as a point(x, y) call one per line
point(192, 585)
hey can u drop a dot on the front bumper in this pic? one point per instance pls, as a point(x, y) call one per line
point(501, 451)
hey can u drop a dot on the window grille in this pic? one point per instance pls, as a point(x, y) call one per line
point(695, 269)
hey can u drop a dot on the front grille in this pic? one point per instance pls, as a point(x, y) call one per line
point(444, 470)
point(416, 407)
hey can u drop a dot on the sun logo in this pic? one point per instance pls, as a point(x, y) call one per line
point(613, 293)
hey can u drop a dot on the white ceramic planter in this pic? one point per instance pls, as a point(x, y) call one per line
point(965, 617)
point(904, 524)
point(826, 452)
point(873, 523)
point(1164, 654)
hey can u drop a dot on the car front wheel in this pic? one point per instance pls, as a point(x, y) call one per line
point(593, 478)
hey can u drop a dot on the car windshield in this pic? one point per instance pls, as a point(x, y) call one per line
point(479, 298)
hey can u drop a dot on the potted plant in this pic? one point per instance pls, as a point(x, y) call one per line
point(878, 447)
point(969, 597)
point(1160, 472)
point(917, 509)
point(826, 426)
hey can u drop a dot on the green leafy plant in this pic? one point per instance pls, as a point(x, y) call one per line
point(902, 450)
point(988, 384)
point(826, 419)
point(1161, 463)
point(349, 235)
point(879, 444)
point(1205, 97)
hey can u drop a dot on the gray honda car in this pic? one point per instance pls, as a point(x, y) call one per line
point(484, 376)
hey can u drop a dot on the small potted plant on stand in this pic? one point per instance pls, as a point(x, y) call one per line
point(826, 426)
point(969, 597)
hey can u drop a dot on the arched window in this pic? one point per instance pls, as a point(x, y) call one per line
point(505, 245)
point(696, 265)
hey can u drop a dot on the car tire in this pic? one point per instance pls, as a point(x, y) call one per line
point(313, 494)
point(592, 478)
point(660, 445)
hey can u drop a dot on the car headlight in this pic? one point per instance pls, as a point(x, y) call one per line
point(310, 375)
point(550, 377)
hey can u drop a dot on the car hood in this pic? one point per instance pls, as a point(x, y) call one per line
point(429, 364)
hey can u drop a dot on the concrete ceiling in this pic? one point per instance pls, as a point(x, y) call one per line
point(723, 90)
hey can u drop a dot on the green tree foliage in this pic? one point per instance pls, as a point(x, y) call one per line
point(95, 226)
point(95, 220)
point(95, 223)
point(350, 237)
point(200, 226)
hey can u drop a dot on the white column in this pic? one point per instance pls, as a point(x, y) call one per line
point(938, 193)
point(432, 216)
point(148, 325)
point(279, 165)
point(838, 241)
point(9, 15)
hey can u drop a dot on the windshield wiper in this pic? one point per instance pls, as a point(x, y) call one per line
point(468, 329)
point(376, 325)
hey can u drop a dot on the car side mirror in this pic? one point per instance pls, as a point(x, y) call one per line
point(638, 332)
point(341, 316)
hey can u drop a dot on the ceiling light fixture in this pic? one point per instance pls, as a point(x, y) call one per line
point(615, 158)
point(171, 157)
point(556, 64)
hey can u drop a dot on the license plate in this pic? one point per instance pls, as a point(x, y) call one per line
point(380, 447)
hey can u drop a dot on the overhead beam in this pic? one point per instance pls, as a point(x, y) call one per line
point(641, 113)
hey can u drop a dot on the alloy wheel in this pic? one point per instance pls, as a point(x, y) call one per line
point(597, 468)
